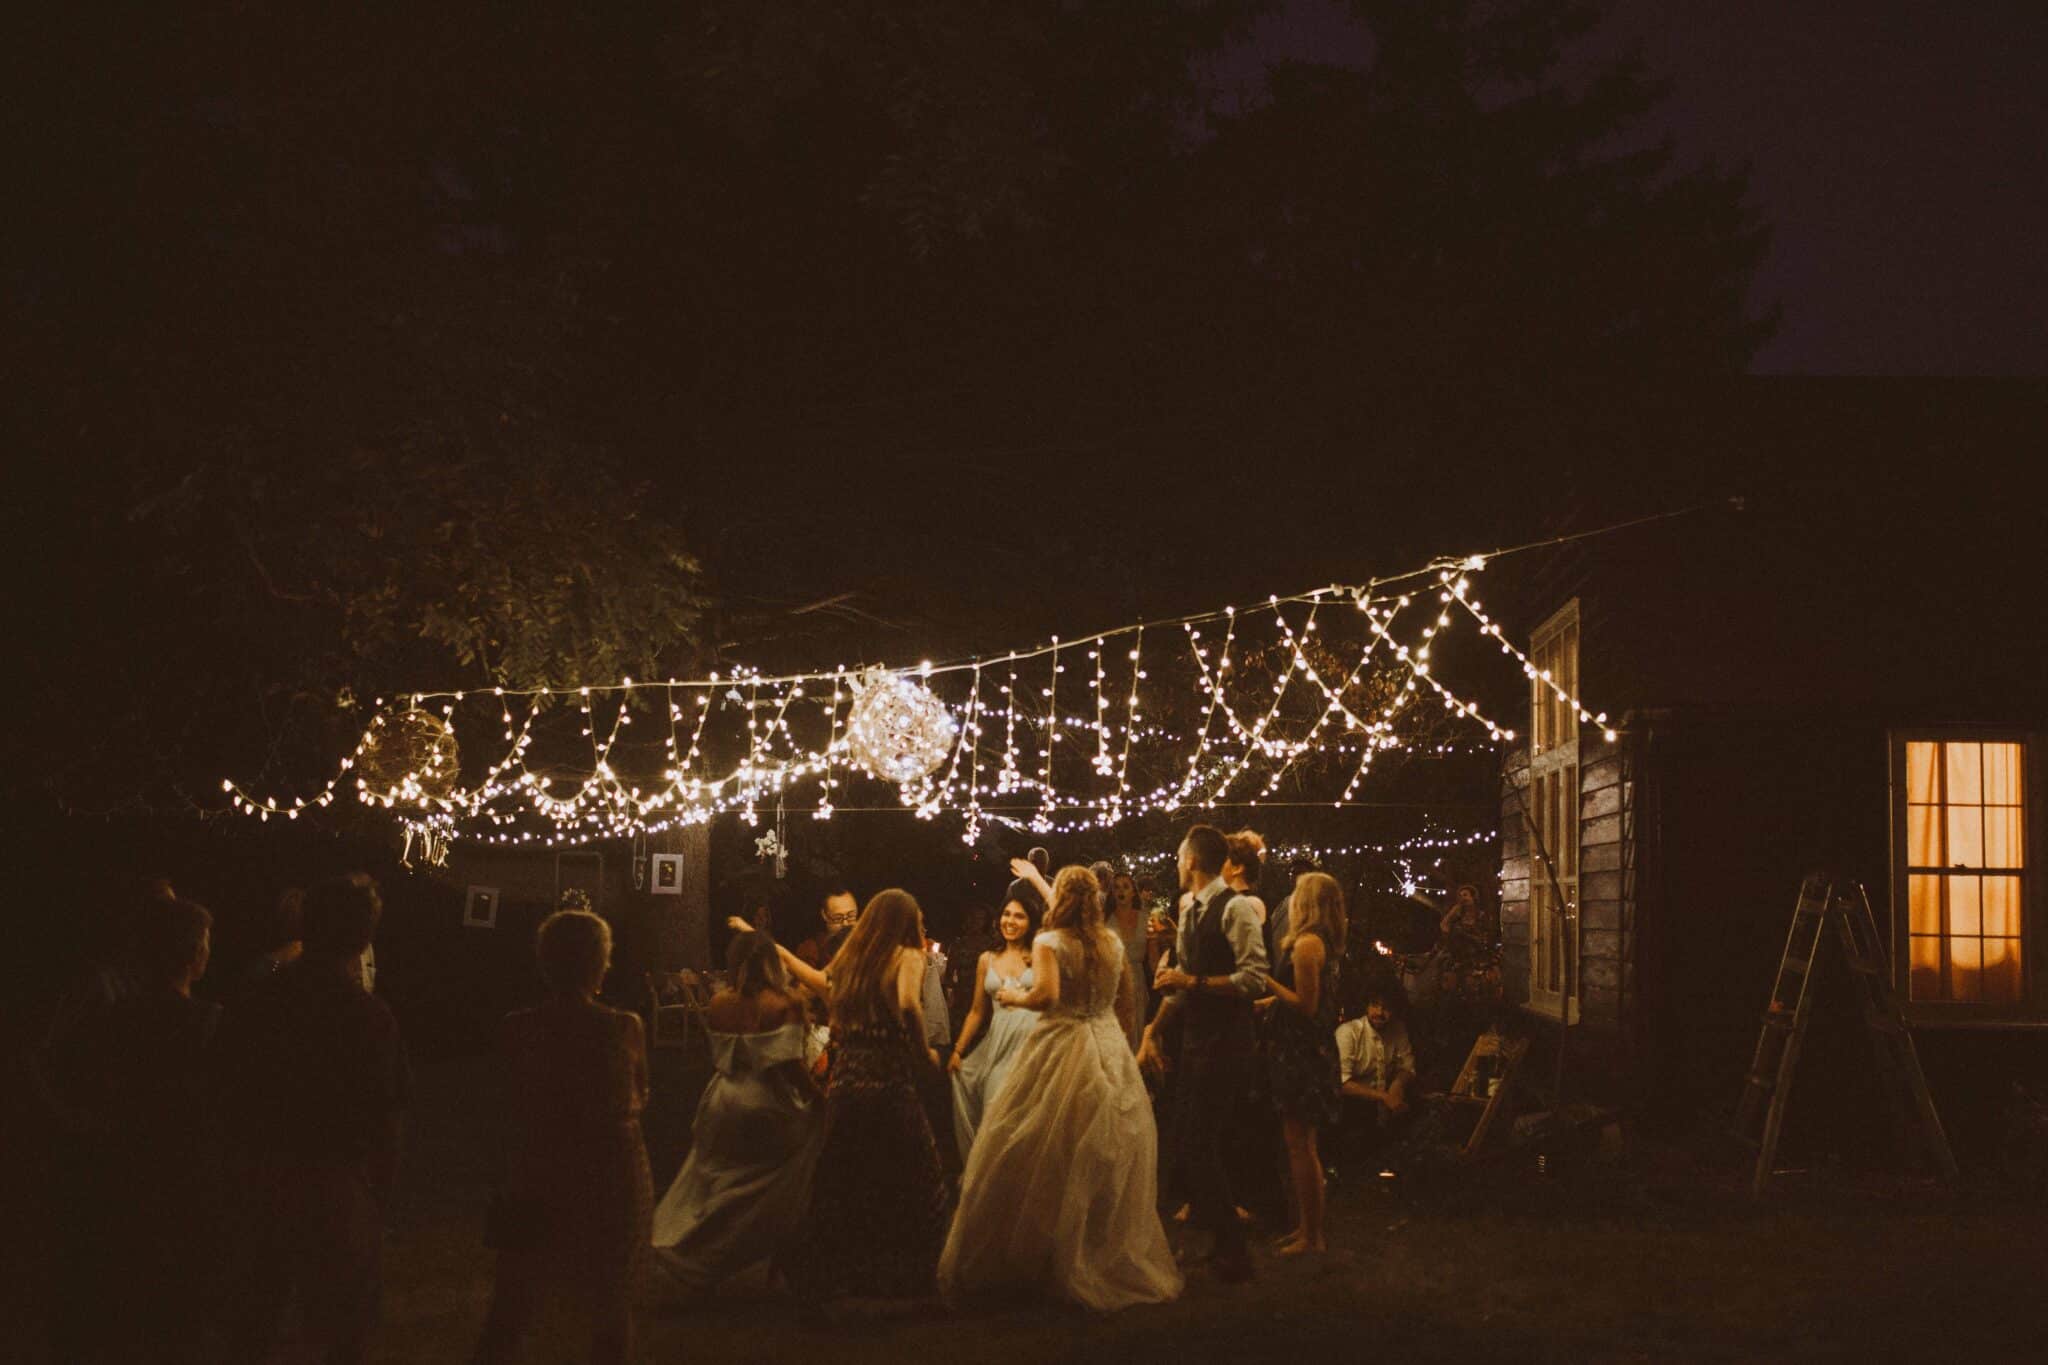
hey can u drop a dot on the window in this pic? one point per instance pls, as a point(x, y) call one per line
point(1960, 871)
point(1553, 814)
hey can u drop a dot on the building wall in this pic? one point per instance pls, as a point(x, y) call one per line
point(1606, 897)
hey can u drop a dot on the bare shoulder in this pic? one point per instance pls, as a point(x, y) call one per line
point(727, 1012)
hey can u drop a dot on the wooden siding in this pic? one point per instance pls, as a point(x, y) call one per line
point(1606, 949)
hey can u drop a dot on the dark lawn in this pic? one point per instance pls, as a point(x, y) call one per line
point(1657, 1261)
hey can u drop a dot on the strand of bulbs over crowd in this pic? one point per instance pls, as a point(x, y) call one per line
point(1218, 709)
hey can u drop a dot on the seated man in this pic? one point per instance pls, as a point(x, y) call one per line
point(1376, 1068)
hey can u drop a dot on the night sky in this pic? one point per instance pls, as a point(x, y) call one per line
point(1899, 148)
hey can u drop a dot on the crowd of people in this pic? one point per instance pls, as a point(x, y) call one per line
point(1115, 1055)
point(219, 1162)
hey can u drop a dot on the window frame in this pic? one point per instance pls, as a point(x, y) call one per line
point(2032, 1009)
point(1561, 758)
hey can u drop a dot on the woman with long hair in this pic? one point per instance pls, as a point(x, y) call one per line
point(878, 1200)
point(1127, 919)
point(1061, 1189)
point(740, 1197)
point(1301, 1044)
point(979, 1078)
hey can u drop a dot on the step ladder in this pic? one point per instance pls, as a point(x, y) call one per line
point(1843, 906)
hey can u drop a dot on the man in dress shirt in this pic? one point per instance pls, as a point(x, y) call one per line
point(1376, 1068)
point(1218, 969)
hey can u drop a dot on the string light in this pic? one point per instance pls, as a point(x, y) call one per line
point(1365, 688)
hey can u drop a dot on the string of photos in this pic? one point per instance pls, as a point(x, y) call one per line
point(1294, 701)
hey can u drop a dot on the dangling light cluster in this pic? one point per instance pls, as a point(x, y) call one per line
point(1271, 693)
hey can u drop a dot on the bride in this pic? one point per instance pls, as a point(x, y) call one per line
point(1061, 1188)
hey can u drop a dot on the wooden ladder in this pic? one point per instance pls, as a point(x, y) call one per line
point(1823, 903)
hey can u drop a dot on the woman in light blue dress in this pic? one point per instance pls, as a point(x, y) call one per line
point(740, 1197)
point(978, 1078)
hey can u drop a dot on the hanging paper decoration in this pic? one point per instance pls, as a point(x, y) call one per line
point(898, 730)
point(409, 755)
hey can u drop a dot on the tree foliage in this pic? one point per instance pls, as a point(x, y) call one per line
point(430, 346)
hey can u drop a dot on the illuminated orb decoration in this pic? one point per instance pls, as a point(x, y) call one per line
point(897, 729)
point(411, 755)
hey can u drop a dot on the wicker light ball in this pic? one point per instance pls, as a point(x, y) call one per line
point(898, 730)
point(412, 753)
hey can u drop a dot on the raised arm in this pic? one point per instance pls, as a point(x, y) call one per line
point(1024, 870)
point(800, 971)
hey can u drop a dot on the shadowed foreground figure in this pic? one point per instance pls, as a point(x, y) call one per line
point(572, 1215)
point(315, 1085)
point(132, 1079)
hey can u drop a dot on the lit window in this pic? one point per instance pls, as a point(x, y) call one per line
point(1965, 867)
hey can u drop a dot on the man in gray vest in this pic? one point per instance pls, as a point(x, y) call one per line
point(1217, 969)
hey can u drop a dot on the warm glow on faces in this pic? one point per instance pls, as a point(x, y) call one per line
point(840, 911)
point(1126, 893)
point(1378, 1015)
point(1190, 880)
point(1014, 924)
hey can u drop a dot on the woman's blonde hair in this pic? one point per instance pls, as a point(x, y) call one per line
point(863, 970)
point(1317, 908)
point(1077, 908)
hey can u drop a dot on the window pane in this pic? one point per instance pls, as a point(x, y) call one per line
point(1965, 905)
point(1925, 983)
point(1965, 836)
point(1924, 904)
point(1923, 837)
point(2002, 774)
point(1966, 969)
point(2004, 984)
point(1920, 759)
point(2002, 906)
point(2003, 837)
point(1965, 773)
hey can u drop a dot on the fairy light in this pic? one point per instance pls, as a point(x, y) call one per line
point(1458, 589)
point(1250, 722)
point(1049, 802)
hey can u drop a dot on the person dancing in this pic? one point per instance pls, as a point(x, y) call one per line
point(1221, 968)
point(878, 1197)
point(1061, 1191)
point(1301, 1052)
point(741, 1195)
point(979, 1078)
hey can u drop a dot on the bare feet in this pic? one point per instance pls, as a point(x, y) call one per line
point(1180, 1215)
point(1302, 1249)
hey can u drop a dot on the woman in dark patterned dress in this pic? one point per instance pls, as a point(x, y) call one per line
point(878, 1200)
point(573, 1215)
point(1301, 1044)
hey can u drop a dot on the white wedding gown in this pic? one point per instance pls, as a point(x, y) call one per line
point(1061, 1190)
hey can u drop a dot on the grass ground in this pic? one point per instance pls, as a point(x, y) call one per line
point(1651, 1260)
